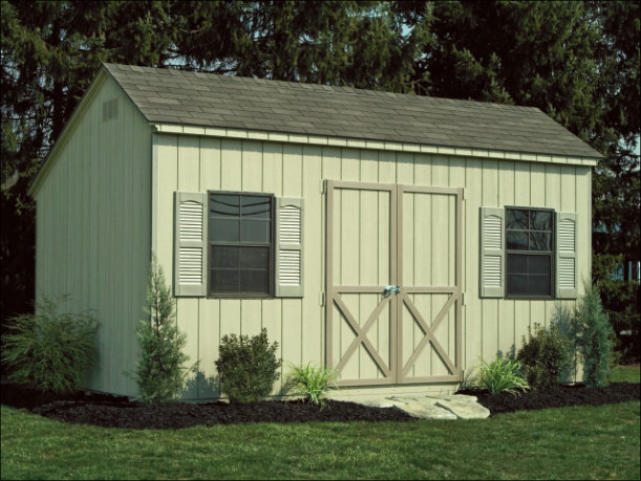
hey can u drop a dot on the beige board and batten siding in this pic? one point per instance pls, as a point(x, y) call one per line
point(193, 163)
point(93, 227)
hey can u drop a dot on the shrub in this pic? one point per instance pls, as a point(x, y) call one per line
point(547, 356)
point(50, 350)
point(312, 382)
point(621, 301)
point(247, 367)
point(502, 375)
point(160, 374)
point(596, 339)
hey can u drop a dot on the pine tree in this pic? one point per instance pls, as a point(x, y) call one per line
point(160, 373)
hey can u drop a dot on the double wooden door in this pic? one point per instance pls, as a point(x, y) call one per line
point(393, 283)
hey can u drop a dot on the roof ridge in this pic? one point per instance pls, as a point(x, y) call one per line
point(324, 87)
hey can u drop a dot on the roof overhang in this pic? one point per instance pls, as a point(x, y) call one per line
point(316, 140)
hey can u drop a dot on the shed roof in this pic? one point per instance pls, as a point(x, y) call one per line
point(166, 95)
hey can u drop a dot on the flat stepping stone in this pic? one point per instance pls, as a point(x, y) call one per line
point(455, 406)
point(464, 407)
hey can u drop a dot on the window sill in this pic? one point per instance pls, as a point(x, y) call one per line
point(242, 297)
point(530, 298)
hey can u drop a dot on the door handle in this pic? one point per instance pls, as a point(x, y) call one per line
point(391, 289)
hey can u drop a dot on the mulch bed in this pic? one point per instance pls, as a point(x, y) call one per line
point(557, 397)
point(118, 411)
point(114, 411)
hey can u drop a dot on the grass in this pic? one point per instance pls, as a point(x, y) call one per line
point(630, 373)
point(576, 442)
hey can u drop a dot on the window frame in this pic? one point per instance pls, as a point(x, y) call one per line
point(272, 249)
point(551, 254)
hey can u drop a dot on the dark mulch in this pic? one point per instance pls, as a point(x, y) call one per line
point(113, 411)
point(557, 397)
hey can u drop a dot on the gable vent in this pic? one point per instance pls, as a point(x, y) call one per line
point(109, 109)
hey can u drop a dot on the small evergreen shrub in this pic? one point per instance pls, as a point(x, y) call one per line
point(596, 339)
point(546, 356)
point(50, 350)
point(160, 374)
point(247, 367)
point(501, 375)
point(312, 382)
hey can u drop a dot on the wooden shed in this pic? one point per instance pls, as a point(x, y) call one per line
point(397, 238)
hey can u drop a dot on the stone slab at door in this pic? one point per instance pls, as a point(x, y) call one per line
point(391, 317)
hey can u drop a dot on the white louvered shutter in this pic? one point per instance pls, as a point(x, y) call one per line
point(566, 277)
point(190, 244)
point(289, 247)
point(492, 282)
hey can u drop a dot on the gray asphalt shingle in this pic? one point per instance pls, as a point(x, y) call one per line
point(211, 100)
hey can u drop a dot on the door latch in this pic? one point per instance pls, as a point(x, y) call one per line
point(391, 289)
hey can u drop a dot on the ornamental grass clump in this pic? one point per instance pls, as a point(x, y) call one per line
point(160, 373)
point(312, 383)
point(502, 375)
point(50, 350)
point(247, 367)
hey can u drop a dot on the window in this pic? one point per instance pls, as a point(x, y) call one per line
point(529, 249)
point(241, 245)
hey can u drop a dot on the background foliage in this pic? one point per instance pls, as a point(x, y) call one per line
point(577, 61)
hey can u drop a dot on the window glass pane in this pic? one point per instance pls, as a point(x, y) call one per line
point(540, 241)
point(517, 219)
point(541, 220)
point(517, 264)
point(517, 240)
point(254, 257)
point(225, 256)
point(255, 231)
point(223, 230)
point(254, 281)
point(539, 285)
point(256, 207)
point(517, 284)
point(224, 205)
point(224, 280)
point(539, 265)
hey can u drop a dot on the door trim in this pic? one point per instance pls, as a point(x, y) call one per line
point(395, 373)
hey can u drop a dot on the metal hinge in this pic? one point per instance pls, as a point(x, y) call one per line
point(322, 298)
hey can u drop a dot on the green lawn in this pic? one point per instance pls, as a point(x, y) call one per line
point(582, 442)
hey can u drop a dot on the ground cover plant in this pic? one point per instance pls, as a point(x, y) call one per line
point(50, 349)
point(583, 442)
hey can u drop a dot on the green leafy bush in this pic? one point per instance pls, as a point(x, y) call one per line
point(596, 339)
point(547, 356)
point(501, 375)
point(621, 301)
point(50, 350)
point(312, 382)
point(247, 367)
point(160, 373)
